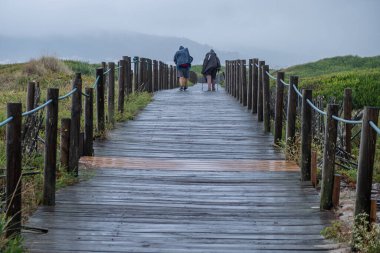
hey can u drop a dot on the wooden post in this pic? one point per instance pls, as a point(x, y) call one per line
point(313, 165)
point(126, 75)
point(30, 96)
point(88, 149)
point(255, 76)
point(135, 74)
point(306, 128)
point(249, 87)
point(336, 190)
point(104, 66)
point(100, 101)
point(291, 112)
point(155, 75)
point(366, 162)
point(243, 78)
point(140, 80)
point(76, 108)
point(347, 111)
point(65, 142)
point(373, 213)
point(13, 169)
point(239, 82)
point(51, 129)
point(260, 106)
point(111, 93)
point(121, 82)
point(266, 99)
point(329, 158)
point(279, 108)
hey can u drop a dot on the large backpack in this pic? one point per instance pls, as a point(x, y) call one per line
point(183, 57)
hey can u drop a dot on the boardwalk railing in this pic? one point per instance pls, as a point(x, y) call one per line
point(148, 76)
point(255, 94)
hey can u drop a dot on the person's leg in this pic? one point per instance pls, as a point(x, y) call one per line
point(186, 73)
point(213, 77)
point(181, 78)
point(209, 81)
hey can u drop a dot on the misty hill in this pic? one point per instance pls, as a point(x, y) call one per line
point(102, 47)
point(334, 65)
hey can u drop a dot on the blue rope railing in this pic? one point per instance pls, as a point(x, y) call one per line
point(297, 91)
point(315, 108)
point(68, 94)
point(3, 123)
point(274, 78)
point(37, 108)
point(376, 128)
point(347, 121)
point(96, 82)
point(283, 82)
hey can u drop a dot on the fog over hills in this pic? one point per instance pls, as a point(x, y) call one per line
point(102, 47)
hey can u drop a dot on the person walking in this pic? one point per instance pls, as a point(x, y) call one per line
point(211, 65)
point(183, 61)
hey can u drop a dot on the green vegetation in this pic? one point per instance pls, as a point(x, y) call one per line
point(49, 72)
point(364, 237)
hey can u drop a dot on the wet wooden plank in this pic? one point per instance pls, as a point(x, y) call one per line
point(194, 172)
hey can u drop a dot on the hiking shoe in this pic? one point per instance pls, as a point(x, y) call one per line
point(185, 88)
point(181, 89)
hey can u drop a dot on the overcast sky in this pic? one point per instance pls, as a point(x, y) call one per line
point(312, 29)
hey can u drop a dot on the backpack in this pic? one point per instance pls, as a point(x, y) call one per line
point(183, 57)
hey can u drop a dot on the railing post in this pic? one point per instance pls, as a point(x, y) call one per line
point(31, 91)
point(260, 105)
point(104, 66)
point(88, 122)
point(127, 75)
point(313, 165)
point(239, 82)
point(121, 82)
point(266, 99)
point(347, 111)
point(336, 190)
point(155, 75)
point(291, 112)
point(279, 108)
point(306, 128)
point(135, 74)
point(76, 108)
point(51, 129)
point(255, 76)
point(243, 76)
point(13, 170)
point(111, 93)
point(100, 101)
point(329, 157)
point(65, 143)
point(249, 87)
point(366, 161)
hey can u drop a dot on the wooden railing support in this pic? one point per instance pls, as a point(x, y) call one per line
point(306, 132)
point(260, 93)
point(88, 149)
point(336, 190)
point(13, 170)
point(255, 76)
point(366, 162)
point(76, 108)
point(30, 96)
point(50, 167)
point(266, 99)
point(347, 114)
point(111, 93)
point(121, 82)
point(291, 112)
point(313, 165)
point(279, 108)
point(329, 158)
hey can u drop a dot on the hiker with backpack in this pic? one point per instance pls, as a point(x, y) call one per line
point(183, 61)
point(211, 65)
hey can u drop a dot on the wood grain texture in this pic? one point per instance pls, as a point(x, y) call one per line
point(191, 174)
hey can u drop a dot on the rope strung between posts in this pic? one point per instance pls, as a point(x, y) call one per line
point(282, 81)
point(376, 128)
point(346, 120)
point(6, 121)
point(297, 91)
point(257, 65)
point(108, 70)
point(96, 82)
point(118, 67)
point(274, 78)
point(67, 95)
point(315, 108)
point(37, 108)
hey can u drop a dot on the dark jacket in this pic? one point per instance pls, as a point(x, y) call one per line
point(211, 62)
point(182, 56)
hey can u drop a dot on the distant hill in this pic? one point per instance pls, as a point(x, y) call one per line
point(103, 46)
point(334, 65)
point(329, 77)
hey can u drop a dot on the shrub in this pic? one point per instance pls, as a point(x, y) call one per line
point(44, 66)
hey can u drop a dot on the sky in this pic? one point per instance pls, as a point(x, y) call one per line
point(303, 29)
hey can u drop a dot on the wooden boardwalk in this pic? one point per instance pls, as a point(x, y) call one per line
point(193, 173)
